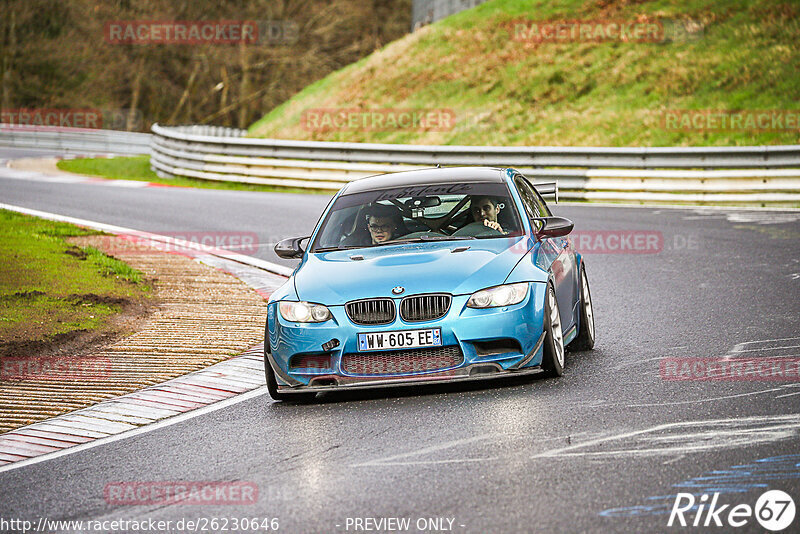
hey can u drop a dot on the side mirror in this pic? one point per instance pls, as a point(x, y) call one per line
point(554, 227)
point(290, 248)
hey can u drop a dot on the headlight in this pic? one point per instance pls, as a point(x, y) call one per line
point(304, 312)
point(504, 295)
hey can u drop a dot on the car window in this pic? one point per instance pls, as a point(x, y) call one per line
point(530, 200)
point(528, 197)
point(543, 208)
point(419, 213)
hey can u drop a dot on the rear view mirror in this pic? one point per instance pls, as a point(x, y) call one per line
point(554, 227)
point(423, 202)
point(290, 248)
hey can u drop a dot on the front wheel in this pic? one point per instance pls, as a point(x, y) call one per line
point(272, 382)
point(585, 338)
point(272, 388)
point(553, 360)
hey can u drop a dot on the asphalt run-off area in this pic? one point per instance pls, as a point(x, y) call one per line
point(631, 432)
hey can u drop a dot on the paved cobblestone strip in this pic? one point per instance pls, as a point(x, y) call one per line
point(239, 374)
point(208, 311)
point(205, 316)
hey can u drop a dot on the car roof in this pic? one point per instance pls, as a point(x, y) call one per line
point(426, 177)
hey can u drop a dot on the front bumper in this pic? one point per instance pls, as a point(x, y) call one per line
point(471, 330)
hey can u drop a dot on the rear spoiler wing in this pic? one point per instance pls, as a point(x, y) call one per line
point(547, 189)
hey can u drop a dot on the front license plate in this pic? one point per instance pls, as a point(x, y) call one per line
point(403, 339)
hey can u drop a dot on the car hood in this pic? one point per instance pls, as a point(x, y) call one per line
point(333, 278)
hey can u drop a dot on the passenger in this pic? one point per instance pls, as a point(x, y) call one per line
point(384, 223)
point(486, 209)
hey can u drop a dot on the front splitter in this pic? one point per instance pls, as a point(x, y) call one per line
point(350, 383)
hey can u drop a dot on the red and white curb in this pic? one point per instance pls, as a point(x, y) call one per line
point(215, 387)
point(119, 415)
point(69, 178)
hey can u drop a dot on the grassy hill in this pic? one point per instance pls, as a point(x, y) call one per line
point(507, 89)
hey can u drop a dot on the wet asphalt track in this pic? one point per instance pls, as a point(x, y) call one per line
point(604, 448)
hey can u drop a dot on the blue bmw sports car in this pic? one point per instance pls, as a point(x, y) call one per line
point(432, 275)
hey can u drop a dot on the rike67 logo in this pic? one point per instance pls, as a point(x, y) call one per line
point(774, 510)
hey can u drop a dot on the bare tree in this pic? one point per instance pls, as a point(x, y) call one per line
point(56, 54)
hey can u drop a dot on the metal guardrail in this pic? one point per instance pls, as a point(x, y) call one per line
point(751, 175)
point(428, 11)
point(644, 157)
point(75, 140)
point(767, 175)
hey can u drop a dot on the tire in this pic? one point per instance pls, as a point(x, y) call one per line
point(585, 338)
point(272, 383)
point(553, 360)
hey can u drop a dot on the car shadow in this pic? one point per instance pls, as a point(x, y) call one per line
point(394, 392)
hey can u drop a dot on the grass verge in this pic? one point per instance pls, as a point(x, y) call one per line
point(138, 168)
point(506, 89)
point(50, 288)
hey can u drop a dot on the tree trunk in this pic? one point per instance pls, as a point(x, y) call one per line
point(130, 123)
point(185, 94)
point(244, 88)
point(8, 54)
point(223, 103)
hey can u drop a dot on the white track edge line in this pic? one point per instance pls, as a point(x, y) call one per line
point(140, 430)
point(264, 265)
point(151, 426)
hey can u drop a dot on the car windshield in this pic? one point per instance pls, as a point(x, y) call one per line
point(443, 212)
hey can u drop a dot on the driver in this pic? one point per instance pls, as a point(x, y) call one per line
point(485, 209)
point(384, 223)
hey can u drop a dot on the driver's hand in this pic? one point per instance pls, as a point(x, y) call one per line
point(493, 224)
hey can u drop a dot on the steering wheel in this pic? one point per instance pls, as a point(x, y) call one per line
point(477, 229)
